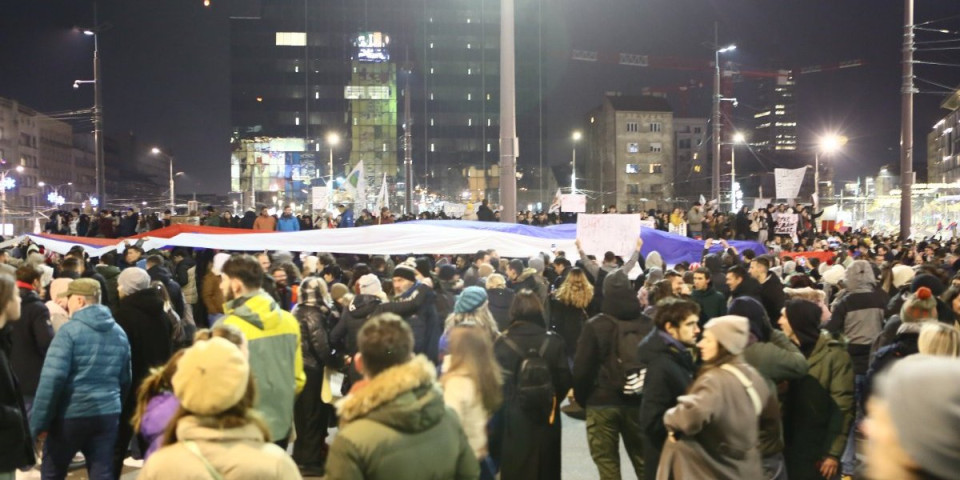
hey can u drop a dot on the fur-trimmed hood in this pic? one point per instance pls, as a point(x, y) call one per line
point(404, 397)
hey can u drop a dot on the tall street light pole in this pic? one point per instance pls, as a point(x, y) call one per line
point(407, 146)
point(737, 139)
point(906, 124)
point(828, 144)
point(715, 190)
point(97, 110)
point(173, 201)
point(508, 115)
point(573, 177)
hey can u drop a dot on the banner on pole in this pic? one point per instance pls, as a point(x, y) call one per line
point(356, 184)
point(614, 233)
point(788, 181)
point(573, 203)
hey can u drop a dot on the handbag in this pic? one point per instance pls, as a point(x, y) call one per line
point(195, 450)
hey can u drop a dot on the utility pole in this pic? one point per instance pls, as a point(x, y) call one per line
point(98, 114)
point(715, 186)
point(407, 143)
point(508, 116)
point(906, 125)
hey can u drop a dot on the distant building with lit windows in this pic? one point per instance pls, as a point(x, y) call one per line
point(943, 144)
point(692, 152)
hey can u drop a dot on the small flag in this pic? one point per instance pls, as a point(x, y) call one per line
point(703, 201)
point(555, 205)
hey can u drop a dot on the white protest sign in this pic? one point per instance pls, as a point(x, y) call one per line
point(648, 223)
point(678, 229)
point(608, 233)
point(454, 210)
point(761, 203)
point(573, 203)
point(786, 223)
point(319, 198)
point(788, 181)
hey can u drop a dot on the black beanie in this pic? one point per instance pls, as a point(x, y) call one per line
point(929, 281)
point(804, 318)
point(405, 272)
point(753, 310)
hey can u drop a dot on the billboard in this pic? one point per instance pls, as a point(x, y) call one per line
point(372, 47)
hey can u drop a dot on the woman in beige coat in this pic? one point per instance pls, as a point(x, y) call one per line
point(216, 434)
point(713, 430)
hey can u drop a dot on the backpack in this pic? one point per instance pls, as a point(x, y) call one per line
point(532, 380)
point(626, 368)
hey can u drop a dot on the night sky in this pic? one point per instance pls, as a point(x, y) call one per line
point(166, 67)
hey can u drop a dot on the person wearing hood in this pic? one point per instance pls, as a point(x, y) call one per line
point(416, 303)
point(665, 353)
point(310, 413)
point(818, 408)
point(712, 303)
point(85, 376)
point(276, 358)
point(159, 272)
point(742, 284)
point(343, 337)
point(29, 337)
point(399, 410)
point(215, 433)
point(913, 421)
point(499, 298)
point(726, 405)
point(142, 317)
point(599, 387)
point(858, 315)
point(778, 360)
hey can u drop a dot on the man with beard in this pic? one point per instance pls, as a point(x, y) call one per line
point(416, 303)
point(276, 358)
point(287, 222)
point(669, 371)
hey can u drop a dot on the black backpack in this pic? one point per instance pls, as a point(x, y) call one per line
point(533, 382)
point(625, 365)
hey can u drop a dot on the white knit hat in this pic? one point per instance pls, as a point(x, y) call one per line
point(902, 275)
point(834, 275)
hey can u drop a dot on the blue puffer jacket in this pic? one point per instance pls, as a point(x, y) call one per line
point(288, 224)
point(86, 372)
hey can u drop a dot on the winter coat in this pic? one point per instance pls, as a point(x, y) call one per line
point(159, 273)
point(460, 393)
point(529, 448)
point(344, 334)
point(695, 219)
point(211, 294)
point(772, 296)
point(669, 372)
point(712, 303)
point(267, 223)
point(718, 280)
point(313, 335)
point(819, 409)
point(904, 345)
point(858, 315)
point(499, 301)
point(719, 418)
point(160, 410)
point(749, 287)
point(238, 453)
point(30, 337)
point(128, 225)
point(149, 331)
point(16, 444)
point(596, 381)
point(86, 372)
point(778, 360)
point(568, 322)
point(397, 427)
point(417, 306)
point(186, 272)
point(276, 360)
point(110, 274)
point(529, 279)
point(288, 224)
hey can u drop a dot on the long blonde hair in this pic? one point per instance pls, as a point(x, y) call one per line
point(575, 290)
point(939, 339)
point(160, 379)
point(471, 355)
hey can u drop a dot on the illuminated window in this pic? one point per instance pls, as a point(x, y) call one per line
point(633, 168)
point(431, 44)
point(488, 96)
point(431, 121)
point(489, 121)
point(656, 147)
point(488, 147)
point(316, 95)
point(469, 122)
point(431, 95)
point(633, 127)
point(633, 147)
point(656, 168)
point(431, 70)
point(469, 71)
point(384, 147)
point(291, 39)
point(296, 69)
point(469, 96)
point(468, 46)
point(432, 147)
point(697, 168)
point(296, 120)
point(468, 20)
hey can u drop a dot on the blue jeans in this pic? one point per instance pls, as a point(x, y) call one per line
point(849, 462)
point(93, 436)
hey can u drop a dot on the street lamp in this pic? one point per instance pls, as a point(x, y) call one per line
point(828, 144)
point(332, 140)
point(173, 201)
point(737, 139)
point(6, 183)
point(715, 190)
point(97, 104)
point(577, 135)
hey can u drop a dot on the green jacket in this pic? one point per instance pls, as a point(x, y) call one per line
point(777, 361)
point(819, 410)
point(396, 427)
point(276, 360)
point(712, 303)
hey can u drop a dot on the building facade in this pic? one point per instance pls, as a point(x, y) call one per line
point(308, 69)
point(692, 159)
point(631, 158)
point(943, 144)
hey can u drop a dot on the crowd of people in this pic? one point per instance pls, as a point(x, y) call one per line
point(823, 357)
